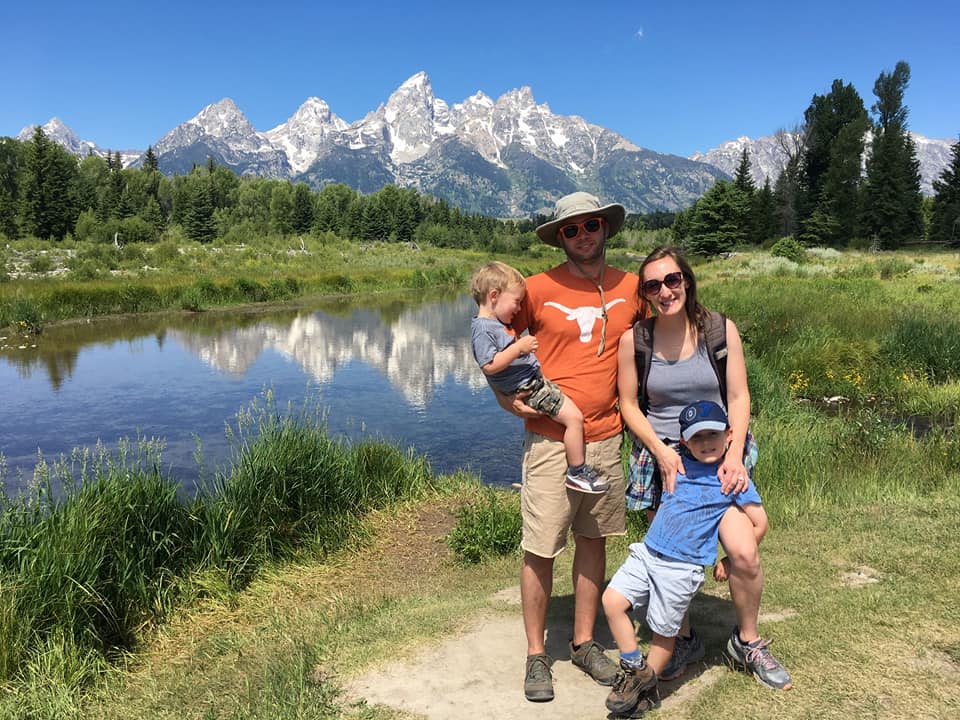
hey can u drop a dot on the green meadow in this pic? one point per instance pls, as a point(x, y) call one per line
point(308, 560)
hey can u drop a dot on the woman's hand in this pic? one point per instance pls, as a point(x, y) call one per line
point(733, 475)
point(670, 463)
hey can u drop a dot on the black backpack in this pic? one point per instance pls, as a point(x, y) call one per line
point(714, 335)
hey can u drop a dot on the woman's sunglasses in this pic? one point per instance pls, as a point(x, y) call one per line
point(671, 280)
point(573, 229)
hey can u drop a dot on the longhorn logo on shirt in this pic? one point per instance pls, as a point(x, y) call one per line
point(585, 316)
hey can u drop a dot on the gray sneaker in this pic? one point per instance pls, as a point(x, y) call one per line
point(591, 659)
point(687, 650)
point(631, 683)
point(538, 680)
point(587, 480)
point(756, 658)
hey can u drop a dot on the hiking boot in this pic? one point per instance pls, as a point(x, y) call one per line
point(650, 700)
point(756, 659)
point(538, 680)
point(687, 650)
point(631, 683)
point(587, 480)
point(591, 659)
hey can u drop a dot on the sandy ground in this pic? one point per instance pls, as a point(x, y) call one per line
point(479, 674)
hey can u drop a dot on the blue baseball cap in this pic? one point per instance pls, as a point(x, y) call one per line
point(702, 415)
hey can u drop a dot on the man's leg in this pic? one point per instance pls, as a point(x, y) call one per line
point(536, 584)
point(589, 566)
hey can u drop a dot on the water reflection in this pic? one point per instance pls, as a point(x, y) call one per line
point(395, 367)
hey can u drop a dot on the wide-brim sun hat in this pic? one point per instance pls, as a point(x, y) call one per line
point(577, 204)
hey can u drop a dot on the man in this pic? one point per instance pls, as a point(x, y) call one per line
point(577, 311)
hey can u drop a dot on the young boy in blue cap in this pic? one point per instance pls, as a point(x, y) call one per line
point(665, 571)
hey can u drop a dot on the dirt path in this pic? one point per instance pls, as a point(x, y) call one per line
point(479, 675)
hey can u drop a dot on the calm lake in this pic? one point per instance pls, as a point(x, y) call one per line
point(398, 368)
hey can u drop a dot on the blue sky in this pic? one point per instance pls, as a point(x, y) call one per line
point(674, 79)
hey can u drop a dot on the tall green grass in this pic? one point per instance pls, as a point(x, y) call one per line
point(101, 550)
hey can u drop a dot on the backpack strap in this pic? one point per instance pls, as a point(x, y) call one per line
point(715, 337)
point(643, 356)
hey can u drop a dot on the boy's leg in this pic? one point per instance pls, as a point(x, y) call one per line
point(661, 649)
point(572, 420)
point(616, 607)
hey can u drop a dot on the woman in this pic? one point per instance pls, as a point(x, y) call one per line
point(680, 373)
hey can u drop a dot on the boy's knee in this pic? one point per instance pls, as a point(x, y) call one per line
point(614, 602)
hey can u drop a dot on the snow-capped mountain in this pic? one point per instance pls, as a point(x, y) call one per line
point(58, 132)
point(768, 157)
point(222, 132)
point(307, 134)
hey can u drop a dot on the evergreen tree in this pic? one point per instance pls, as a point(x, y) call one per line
point(891, 200)
point(831, 165)
point(11, 163)
point(150, 162)
point(48, 189)
point(945, 213)
point(198, 219)
point(303, 208)
point(743, 178)
point(717, 224)
point(764, 214)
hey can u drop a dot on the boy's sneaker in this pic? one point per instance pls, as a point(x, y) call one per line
point(538, 680)
point(756, 658)
point(631, 684)
point(587, 480)
point(686, 650)
point(594, 662)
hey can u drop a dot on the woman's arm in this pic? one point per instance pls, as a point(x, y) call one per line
point(732, 473)
point(668, 459)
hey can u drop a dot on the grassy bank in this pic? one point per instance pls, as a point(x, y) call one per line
point(77, 280)
point(104, 548)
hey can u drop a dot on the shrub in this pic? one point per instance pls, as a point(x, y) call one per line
point(41, 263)
point(487, 527)
point(788, 247)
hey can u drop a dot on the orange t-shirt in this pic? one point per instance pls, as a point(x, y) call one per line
point(563, 311)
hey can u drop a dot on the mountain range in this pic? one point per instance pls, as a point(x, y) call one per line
point(508, 157)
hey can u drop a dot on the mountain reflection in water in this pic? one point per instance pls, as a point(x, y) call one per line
point(397, 368)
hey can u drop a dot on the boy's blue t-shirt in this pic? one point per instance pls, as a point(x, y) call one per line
point(686, 526)
point(488, 337)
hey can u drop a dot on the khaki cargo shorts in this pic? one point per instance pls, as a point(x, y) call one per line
point(550, 510)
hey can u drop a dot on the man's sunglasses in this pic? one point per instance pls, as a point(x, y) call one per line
point(671, 280)
point(573, 229)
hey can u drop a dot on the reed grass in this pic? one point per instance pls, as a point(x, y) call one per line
point(103, 547)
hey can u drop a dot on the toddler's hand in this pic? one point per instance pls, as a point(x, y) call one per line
point(527, 344)
point(721, 571)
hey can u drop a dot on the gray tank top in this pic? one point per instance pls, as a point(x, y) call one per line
point(671, 386)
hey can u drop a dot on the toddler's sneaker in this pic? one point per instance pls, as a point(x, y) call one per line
point(587, 480)
point(756, 658)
